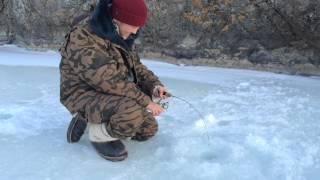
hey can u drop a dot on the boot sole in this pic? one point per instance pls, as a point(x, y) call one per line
point(114, 159)
point(70, 128)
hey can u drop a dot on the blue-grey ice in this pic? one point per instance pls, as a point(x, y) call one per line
point(255, 126)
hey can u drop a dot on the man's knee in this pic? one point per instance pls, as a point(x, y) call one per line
point(149, 127)
point(127, 119)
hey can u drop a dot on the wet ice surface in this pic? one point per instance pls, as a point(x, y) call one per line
point(256, 126)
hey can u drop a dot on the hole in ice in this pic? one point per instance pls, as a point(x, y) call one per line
point(224, 123)
point(215, 153)
point(209, 156)
point(6, 116)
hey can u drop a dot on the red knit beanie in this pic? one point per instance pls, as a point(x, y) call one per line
point(132, 12)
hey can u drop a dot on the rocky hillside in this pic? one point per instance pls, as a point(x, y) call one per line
point(275, 35)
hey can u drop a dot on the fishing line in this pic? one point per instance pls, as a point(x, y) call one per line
point(195, 109)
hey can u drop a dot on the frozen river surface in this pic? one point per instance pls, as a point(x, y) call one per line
point(256, 126)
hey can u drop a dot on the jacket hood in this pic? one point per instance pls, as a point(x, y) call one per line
point(102, 25)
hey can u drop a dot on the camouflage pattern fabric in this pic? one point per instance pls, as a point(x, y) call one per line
point(96, 81)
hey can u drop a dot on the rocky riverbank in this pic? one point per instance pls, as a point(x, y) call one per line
point(272, 35)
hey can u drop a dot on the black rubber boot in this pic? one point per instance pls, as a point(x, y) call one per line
point(76, 128)
point(112, 150)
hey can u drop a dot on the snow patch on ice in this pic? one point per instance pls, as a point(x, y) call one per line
point(209, 120)
point(258, 142)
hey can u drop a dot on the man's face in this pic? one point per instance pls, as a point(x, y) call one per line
point(126, 30)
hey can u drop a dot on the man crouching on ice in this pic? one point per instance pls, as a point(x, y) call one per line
point(104, 84)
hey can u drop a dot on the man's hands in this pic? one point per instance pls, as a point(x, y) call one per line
point(155, 108)
point(160, 91)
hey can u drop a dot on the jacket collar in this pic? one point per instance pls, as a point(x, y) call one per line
point(102, 25)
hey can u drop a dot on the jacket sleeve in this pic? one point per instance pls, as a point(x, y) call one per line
point(99, 70)
point(147, 79)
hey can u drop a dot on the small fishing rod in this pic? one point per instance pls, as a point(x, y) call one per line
point(165, 106)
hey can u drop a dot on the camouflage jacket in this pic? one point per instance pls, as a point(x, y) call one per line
point(91, 64)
